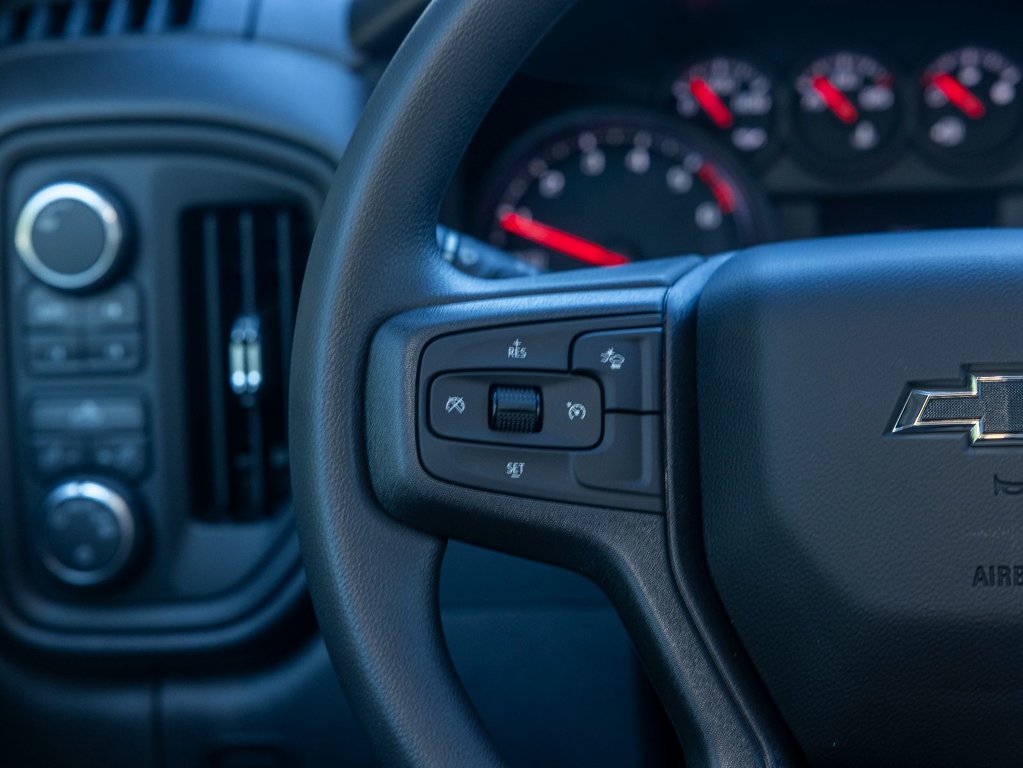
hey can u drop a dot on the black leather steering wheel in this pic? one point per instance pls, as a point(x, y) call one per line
point(793, 478)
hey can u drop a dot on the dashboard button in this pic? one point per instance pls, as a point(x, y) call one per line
point(117, 308)
point(114, 352)
point(54, 355)
point(87, 414)
point(628, 365)
point(57, 454)
point(46, 309)
point(121, 454)
point(629, 458)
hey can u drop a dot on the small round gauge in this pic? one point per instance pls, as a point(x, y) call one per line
point(848, 109)
point(971, 105)
point(604, 191)
point(731, 97)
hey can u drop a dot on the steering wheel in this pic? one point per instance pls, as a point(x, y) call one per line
point(795, 520)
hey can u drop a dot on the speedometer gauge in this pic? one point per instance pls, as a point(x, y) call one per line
point(607, 191)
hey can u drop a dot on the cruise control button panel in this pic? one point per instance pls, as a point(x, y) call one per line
point(567, 411)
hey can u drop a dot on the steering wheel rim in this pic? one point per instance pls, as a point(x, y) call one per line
point(373, 574)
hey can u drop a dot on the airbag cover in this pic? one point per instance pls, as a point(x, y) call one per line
point(876, 579)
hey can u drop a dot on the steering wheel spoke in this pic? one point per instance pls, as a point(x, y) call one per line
point(578, 473)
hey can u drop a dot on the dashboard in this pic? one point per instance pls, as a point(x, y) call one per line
point(153, 605)
point(678, 132)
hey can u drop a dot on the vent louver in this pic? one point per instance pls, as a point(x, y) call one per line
point(244, 268)
point(26, 22)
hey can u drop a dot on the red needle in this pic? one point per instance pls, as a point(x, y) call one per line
point(720, 188)
point(563, 242)
point(958, 94)
point(836, 101)
point(711, 103)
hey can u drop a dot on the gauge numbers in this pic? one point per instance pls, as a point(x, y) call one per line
point(612, 191)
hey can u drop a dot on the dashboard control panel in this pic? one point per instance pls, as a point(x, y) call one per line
point(568, 411)
point(127, 272)
point(79, 346)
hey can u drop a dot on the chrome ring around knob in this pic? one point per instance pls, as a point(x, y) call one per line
point(105, 211)
point(104, 496)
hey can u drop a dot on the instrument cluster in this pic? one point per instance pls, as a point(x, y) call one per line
point(693, 168)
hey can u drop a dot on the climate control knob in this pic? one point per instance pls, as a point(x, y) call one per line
point(87, 533)
point(70, 236)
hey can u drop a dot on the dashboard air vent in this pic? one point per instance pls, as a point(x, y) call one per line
point(246, 266)
point(26, 22)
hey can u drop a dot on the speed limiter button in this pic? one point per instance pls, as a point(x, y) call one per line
point(628, 365)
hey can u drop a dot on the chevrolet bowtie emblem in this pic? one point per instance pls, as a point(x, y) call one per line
point(989, 408)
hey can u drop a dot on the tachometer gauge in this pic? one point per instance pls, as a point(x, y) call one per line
point(971, 104)
point(847, 108)
point(605, 191)
point(731, 97)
